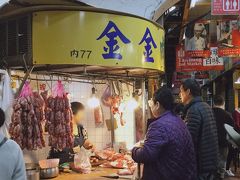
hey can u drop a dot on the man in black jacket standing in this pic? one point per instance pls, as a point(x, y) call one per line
point(222, 117)
point(202, 126)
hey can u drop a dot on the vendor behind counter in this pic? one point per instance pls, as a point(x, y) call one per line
point(80, 136)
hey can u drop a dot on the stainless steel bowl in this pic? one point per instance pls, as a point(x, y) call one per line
point(32, 171)
point(33, 175)
point(48, 173)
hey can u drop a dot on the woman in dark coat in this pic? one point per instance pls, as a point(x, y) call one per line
point(168, 151)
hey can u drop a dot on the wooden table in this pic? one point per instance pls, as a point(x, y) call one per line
point(94, 175)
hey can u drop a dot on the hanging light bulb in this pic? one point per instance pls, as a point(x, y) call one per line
point(132, 103)
point(93, 102)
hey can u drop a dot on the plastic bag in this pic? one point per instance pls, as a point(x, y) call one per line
point(6, 102)
point(27, 90)
point(58, 90)
point(106, 97)
point(7, 94)
point(82, 161)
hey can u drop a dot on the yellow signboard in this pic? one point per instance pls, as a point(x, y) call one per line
point(96, 38)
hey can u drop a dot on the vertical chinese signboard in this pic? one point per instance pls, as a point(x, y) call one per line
point(97, 38)
point(225, 7)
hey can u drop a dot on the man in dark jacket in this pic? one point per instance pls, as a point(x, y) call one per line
point(202, 126)
point(222, 117)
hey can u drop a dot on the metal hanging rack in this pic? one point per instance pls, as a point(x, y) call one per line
point(83, 78)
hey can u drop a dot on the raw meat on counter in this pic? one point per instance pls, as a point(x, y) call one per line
point(103, 155)
point(59, 119)
point(124, 172)
point(119, 164)
point(28, 116)
point(121, 161)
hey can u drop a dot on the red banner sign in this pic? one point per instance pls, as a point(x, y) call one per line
point(229, 52)
point(225, 7)
point(191, 54)
point(222, 52)
point(197, 64)
point(184, 64)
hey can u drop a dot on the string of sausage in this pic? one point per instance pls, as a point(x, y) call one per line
point(26, 126)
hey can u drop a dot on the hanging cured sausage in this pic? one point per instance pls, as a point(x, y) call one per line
point(59, 119)
point(26, 126)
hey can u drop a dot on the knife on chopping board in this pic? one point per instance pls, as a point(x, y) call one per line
point(117, 177)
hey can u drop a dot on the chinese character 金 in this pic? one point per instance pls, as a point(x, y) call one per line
point(148, 39)
point(74, 53)
point(112, 32)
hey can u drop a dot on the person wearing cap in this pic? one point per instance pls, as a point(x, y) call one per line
point(197, 42)
point(11, 157)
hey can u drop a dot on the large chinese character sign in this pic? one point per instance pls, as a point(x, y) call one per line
point(97, 39)
point(112, 33)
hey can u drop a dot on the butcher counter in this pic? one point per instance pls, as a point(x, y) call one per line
point(94, 175)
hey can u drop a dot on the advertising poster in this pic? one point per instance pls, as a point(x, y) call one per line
point(228, 33)
point(197, 37)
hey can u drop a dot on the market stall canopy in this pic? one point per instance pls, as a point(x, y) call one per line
point(8, 8)
point(63, 34)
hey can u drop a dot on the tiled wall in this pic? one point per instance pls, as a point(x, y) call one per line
point(126, 133)
point(100, 136)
